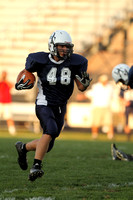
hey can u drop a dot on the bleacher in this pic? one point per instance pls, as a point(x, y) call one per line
point(25, 27)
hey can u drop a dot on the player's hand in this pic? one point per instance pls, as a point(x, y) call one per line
point(21, 85)
point(84, 79)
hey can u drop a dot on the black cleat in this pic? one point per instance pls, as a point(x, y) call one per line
point(22, 161)
point(114, 152)
point(35, 172)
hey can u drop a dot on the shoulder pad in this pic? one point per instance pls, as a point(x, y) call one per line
point(77, 59)
point(39, 57)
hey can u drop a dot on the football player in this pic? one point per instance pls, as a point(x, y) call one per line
point(122, 75)
point(56, 70)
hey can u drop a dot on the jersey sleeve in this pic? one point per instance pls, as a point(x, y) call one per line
point(80, 64)
point(34, 60)
point(84, 64)
point(31, 64)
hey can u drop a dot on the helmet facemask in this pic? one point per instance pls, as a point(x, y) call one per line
point(66, 52)
point(123, 81)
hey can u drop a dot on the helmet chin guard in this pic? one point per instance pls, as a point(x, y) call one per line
point(60, 37)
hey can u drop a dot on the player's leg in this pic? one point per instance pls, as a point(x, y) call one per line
point(51, 128)
point(22, 150)
point(22, 155)
point(42, 146)
point(41, 149)
point(50, 131)
point(55, 122)
point(31, 146)
point(59, 113)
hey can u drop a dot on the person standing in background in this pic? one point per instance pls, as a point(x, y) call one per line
point(100, 96)
point(5, 102)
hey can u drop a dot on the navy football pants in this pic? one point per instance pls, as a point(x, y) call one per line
point(51, 120)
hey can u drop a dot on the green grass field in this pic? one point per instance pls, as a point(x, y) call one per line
point(76, 169)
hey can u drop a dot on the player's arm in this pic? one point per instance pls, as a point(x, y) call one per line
point(30, 67)
point(83, 81)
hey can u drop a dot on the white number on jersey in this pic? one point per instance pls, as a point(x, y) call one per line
point(51, 76)
point(65, 76)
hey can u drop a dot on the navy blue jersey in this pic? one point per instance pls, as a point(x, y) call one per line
point(55, 79)
point(130, 77)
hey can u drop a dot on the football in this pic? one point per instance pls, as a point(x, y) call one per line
point(28, 76)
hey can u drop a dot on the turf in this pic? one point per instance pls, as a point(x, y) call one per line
point(76, 169)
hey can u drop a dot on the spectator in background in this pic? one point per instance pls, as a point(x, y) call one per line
point(5, 102)
point(100, 96)
point(127, 99)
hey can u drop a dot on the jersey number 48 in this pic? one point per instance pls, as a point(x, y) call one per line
point(64, 79)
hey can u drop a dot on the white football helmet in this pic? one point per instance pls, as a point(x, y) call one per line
point(60, 37)
point(120, 73)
